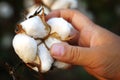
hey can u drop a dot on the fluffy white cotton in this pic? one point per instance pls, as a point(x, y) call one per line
point(61, 65)
point(48, 2)
point(25, 47)
point(60, 4)
point(51, 40)
point(46, 59)
point(60, 26)
point(34, 27)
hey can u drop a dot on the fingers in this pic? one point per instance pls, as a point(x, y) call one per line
point(77, 19)
point(62, 13)
point(72, 54)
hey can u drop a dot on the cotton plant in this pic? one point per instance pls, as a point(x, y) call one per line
point(35, 36)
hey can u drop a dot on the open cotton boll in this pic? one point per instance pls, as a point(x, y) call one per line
point(61, 26)
point(59, 4)
point(45, 58)
point(25, 47)
point(35, 27)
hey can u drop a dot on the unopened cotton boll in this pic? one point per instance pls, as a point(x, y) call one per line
point(46, 59)
point(60, 26)
point(35, 27)
point(25, 47)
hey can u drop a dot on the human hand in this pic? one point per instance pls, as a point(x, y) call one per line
point(98, 50)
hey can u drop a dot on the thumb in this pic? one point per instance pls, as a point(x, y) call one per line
point(72, 54)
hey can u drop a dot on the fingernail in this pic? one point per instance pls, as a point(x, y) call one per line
point(57, 50)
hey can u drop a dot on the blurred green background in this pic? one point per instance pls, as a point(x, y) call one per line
point(103, 12)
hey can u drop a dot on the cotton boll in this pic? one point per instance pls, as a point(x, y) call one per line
point(35, 27)
point(46, 59)
point(62, 27)
point(25, 47)
point(35, 37)
point(61, 65)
